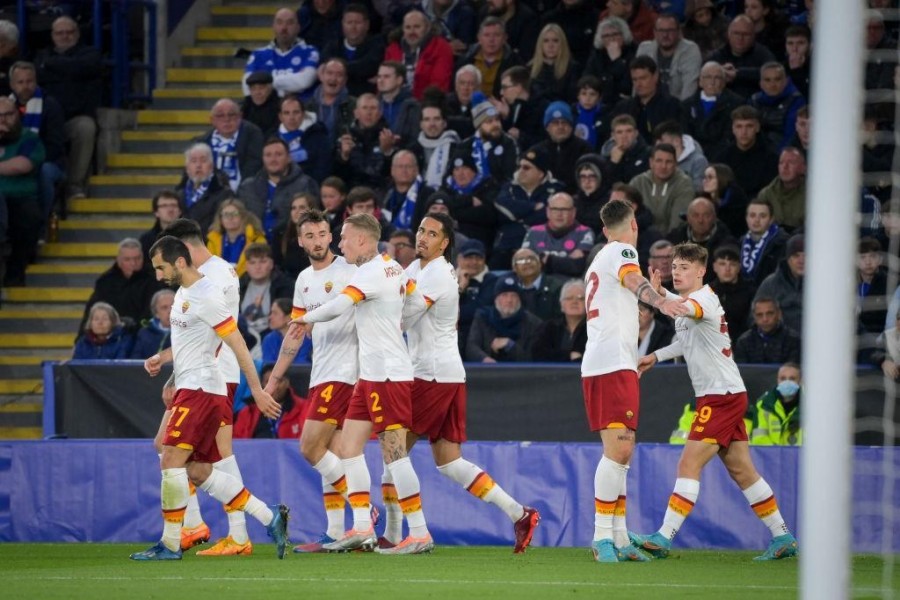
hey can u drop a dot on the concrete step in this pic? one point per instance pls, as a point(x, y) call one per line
point(174, 160)
point(79, 250)
point(20, 417)
point(45, 322)
point(61, 280)
point(38, 340)
point(159, 142)
point(248, 36)
point(85, 206)
point(21, 386)
point(218, 76)
point(192, 98)
point(101, 231)
point(173, 117)
point(249, 21)
point(31, 370)
point(212, 62)
point(131, 185)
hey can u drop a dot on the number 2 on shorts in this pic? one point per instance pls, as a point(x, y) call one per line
point(376, 401)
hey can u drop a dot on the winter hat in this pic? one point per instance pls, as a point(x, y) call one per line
point(507, 284)
point(558, 110)
point(794, 245)
point(259, 77)
point(472, 248)
point(590, 161)
point(537, 156)
point(463, 158)
point(482, 109)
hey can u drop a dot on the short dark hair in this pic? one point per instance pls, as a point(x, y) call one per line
point(186, 230)
point(360, 9)
point(759, 300)
point(632, 193)
point(745, 113)
point(518, 75)
point(670, 127)
point(397, 66)
point(763, 201)
point(311, 216)
point(727, 253)
point(361, 194)
point(660, 147)
point(285, 304)
point(170, 248)
point(615, 212)
point(798, 31)
point(803, 111)
point(274, 139)
point(258, 250)
point(446, 222)
point(170, 194)
point(643, 62)
point(869, 244)
point(590, 81)
point(404, 233)
point(691, 252)
point(335, 182)
point(290, 98)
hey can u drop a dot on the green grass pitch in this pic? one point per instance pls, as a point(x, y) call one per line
point(104, 571)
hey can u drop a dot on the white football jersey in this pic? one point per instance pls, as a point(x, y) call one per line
point(612, 312)
point(378, 289)
point(220, 272)
point(704, 342)
point(335, 345)
point(200, 318)
point(433, 339)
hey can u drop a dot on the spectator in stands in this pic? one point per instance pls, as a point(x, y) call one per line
point(331, 102)
point(871, 286)
point(769, 340)
point(562, 243)
point(202, 187)
point(665, 189)
point(427, 57)
point(777, 104)
point(690, 156)
point(522, 116)
point(798, 57)
point(626, 153)
point(554, 72)
point(654, 332)
point(44, 116)
point(287, 253)
point(563, 338)
point(250, 422)
point(320, 22)
point(72, 72)
point(261, 105)
point(333, 195)
point(128, 285)
point(742, 57)
point(650, 105)
point(678, 59)
point(879, 67)
point(521, 21)
point(9, 53)
point(156, 334)
point(261, 284)
point(492, 56)
point(291, 61)
point(768, 24)
point(613, 51)
point(785, 285)
point(639, 16)
point(577, 19)
point(735, 291)
point(434, 145)
point(648, 235)
point(787, 192)
point(279, 321)
point(660, 259)
point(704, 229)
point(21, 156)
point(726, 194)
point(362, 199)
point(233, 230)
point(403, 242)
point(166, 206)
point(495, 153)
point(706, 26)
point(476, 285)
point(888, 358)
point(753, 163)
point(439, 203)
point(504, 332)
point(776, 414)
point(404, 201)
point(359, 156)
point(539, 291)
point(521, 204)
point(361, 50)
point(268, 194)
point(590, 120)
point(236, 144)
point(562, 148)
point(309, 144)
point(763, 246)
point(470, 196)
point(401, 111)
point(456, 22)
point(459, 101)
point(593, 191)
point(707, 114)
point(104, 335)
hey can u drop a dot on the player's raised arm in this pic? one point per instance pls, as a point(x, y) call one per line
point(333, 308)
point(644, 291)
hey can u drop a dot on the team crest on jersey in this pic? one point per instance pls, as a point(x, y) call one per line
point(185, 306)
point(629, 414)
point(629, 253)
point(328, 287)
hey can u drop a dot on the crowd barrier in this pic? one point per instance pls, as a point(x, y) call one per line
point(108, 491)
point(534, 402)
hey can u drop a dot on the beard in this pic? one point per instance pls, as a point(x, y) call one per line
point(318, 256)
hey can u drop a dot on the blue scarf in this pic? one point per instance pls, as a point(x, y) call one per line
point(403, 207)
point(585, 124)
point(479, 153)
point(752, 251)
point(225, 154)
point(231, 251)
point(34, 111)
point(451, 183)
point(505, 327)
point(193, 195)
point(294, 140)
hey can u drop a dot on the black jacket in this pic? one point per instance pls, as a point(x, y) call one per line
point(713, 130)
point(52, 131)
point(476, 222)
point(661, 107)
point(362, 66)
point(754, 168)
point(778, 347)
point(746, 82)
point(737, 300)
point(578, 22)
point(367, 165)
point(563, 157)
point(554, 344)
point(254, 192)
point(264, 116)
point(503, 156)
point(614, 75)
point(129, 296)
point(74, 78)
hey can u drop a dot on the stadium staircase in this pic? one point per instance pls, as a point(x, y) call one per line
point(39, 322)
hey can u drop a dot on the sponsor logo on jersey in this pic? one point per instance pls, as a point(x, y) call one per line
point(629, 253)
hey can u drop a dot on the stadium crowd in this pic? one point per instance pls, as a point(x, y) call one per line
point(518, 118)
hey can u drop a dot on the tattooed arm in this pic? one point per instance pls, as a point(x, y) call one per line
point(644, 291)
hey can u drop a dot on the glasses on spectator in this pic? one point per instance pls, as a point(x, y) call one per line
point(230, 213)
point(525, 260)
point(561, 208)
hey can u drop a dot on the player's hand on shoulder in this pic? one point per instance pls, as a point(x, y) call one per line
point(646, 362)
point(676, 308)
point(267, 405)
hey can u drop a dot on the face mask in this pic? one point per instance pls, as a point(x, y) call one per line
point(788, 388)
